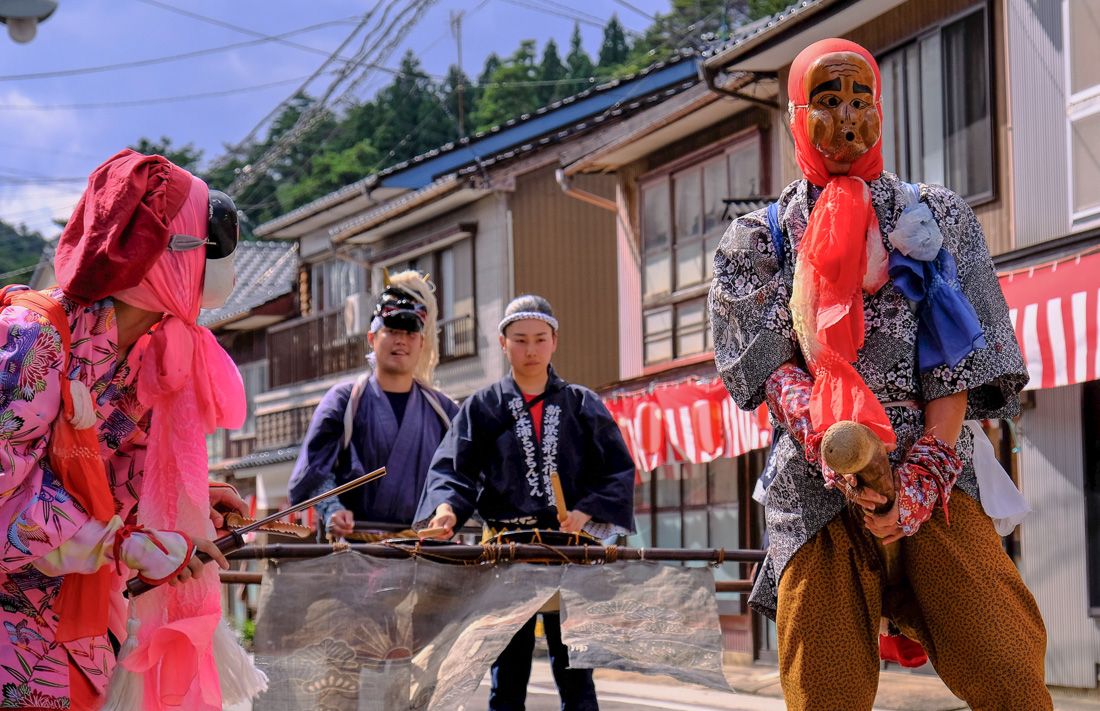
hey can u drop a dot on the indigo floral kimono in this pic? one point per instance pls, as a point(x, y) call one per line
point(753, 336)
point(38, 515)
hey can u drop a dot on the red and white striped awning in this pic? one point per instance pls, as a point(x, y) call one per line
point(686, 421)
point(1055, 309)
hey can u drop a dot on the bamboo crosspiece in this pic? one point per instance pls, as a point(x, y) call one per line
point(235, 539)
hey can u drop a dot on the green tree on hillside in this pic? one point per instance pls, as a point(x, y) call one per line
point(411, 115)
point(615, 50)
point(578, 62)
point(552, 72)
point(261, 201)
point(509, 93)
point(20, 249)
point(688, 24)
point(766, 8)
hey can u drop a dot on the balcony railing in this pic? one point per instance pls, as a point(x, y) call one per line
point(457, 338)
point(313, 347)
point(316, 347)
point(284, 428)
point(240, 446)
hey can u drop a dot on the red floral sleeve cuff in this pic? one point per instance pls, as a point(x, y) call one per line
point(926, 477)
point(787, 392)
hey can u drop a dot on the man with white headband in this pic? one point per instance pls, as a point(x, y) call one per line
point(389, 417)
point(497, 460)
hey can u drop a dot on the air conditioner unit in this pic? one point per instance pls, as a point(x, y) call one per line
point(357, 312)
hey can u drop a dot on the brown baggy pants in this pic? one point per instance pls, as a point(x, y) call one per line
point(961, 598)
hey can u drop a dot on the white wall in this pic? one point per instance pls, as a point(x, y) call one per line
point(1053, 538)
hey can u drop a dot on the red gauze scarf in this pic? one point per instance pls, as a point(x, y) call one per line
point(827, 302)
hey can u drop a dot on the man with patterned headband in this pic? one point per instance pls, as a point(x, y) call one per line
point(107, 389)
point(506, 442)
point(858, 297)
point(389, 417)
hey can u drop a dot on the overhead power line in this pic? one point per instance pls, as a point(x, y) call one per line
point(169, 58)
point(254, 33)
point(17, 272)
point(636, 9)
point(236, 28)
point(559, 10)
point(251, 135)
point(130, 103)
point(299, 169)
point(375, 48)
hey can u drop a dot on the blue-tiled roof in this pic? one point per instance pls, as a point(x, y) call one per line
point(422, 170)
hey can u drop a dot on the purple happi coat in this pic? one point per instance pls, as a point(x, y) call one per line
point(38, 515)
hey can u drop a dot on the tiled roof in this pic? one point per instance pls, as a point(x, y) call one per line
point(257, 459)
point(558, 115)
point(621, 110)
point(736, 207)
point(762, 26)
point(265, 271)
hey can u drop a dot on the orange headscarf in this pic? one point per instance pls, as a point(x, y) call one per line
point(827, 302)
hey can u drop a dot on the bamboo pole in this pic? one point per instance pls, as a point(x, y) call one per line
point(502, 552)
point(232, 577)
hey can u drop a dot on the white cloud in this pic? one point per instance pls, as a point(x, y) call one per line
point(58, 133)
point(26, 121)
point(36, 206)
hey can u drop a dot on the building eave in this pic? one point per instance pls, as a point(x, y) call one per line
point(775, 44)
point(438, 198)
point(327, 209)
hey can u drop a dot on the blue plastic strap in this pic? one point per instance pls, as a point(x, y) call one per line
point(777, 232)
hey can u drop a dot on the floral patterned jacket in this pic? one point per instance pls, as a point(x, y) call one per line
point(37, 513)
point(753, 336)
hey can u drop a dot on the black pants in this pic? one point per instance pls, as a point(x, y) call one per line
point(512, 671)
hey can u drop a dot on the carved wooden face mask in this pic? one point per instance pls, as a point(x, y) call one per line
point(841, 119)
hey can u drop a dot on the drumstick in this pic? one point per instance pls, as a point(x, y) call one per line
point(559, 497)
point(430, 532)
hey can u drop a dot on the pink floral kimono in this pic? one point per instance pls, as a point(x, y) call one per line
point(36, 511)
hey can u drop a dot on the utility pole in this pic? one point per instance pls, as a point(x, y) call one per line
point(456, 30)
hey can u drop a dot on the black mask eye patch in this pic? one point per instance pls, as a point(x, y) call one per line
point(223, 230)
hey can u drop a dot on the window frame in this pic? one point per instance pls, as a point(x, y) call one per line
point(1080, 105)
point(696, 163)
point(434, 252)
point(247, 429)
point(915, 38)
point(319, 287)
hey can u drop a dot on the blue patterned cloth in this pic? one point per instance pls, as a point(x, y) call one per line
point(948, 329)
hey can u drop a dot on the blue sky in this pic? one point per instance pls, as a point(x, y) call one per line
point(48, 131)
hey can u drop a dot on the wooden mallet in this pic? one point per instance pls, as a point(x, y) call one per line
point(850, 448)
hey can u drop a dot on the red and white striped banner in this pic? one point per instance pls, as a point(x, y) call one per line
point(687, 421)
point(1055, 310)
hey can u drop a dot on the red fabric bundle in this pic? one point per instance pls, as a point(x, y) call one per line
point(835, 246)
point(120, 226)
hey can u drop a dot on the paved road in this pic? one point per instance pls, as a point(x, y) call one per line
point(631, 695)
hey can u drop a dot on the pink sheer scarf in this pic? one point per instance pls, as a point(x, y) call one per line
point(192, 387)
